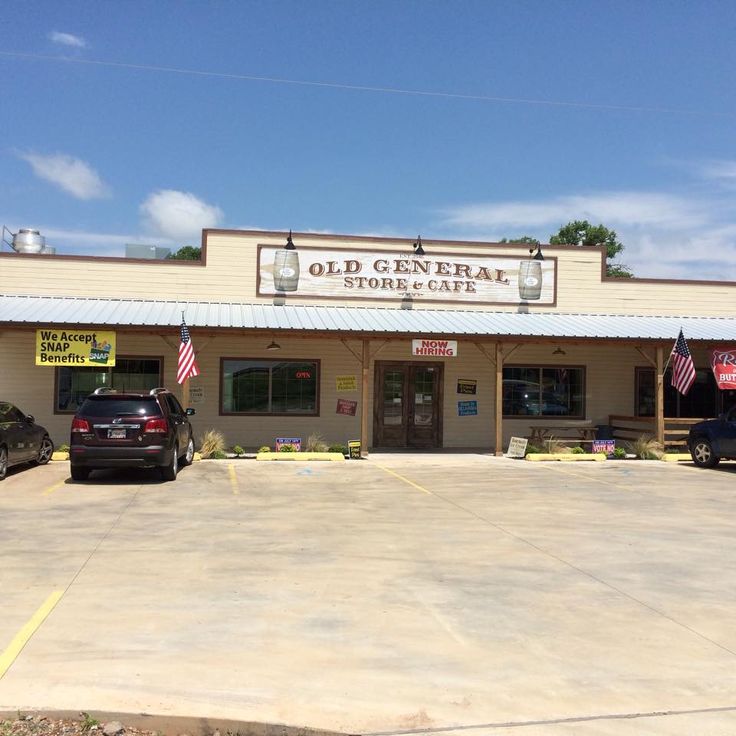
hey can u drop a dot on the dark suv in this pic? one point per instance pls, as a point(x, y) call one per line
point(131, 430)
point(713, 440)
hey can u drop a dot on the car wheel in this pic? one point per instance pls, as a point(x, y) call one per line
point(702, 454)
point(80, 473)
point(45, 451)
point(189, 454)
point(3, 463)
point(168, 472)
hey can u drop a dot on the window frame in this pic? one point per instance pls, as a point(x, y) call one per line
point(110, 368)
point(259, 359)
point(718, 395)
point(548, 417)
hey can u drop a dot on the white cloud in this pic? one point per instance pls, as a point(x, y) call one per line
point(179, 215)
point(74, 176)
point(723, 171)
point(67, 39)
point(610, 208)
point(664, 235)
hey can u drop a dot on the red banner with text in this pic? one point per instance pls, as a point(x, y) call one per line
point(723, 363)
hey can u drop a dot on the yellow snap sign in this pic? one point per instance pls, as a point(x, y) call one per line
point(75, 347)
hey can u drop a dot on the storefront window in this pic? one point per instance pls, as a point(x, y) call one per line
point(702, 399)
point(128, 374)
point(537, 391)
point(269, 386)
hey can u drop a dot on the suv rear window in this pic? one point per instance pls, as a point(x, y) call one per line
point(103, 406)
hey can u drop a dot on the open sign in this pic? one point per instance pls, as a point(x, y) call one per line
point(303, 374)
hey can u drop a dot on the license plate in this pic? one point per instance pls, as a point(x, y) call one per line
point(116, 434)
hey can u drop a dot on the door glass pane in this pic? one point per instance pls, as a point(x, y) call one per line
point(423, 396)
point(393, 397)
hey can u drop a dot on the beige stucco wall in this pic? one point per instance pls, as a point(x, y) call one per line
point(230, 275)
point(609, 384)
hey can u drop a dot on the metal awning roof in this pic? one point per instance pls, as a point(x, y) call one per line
point(18, 310)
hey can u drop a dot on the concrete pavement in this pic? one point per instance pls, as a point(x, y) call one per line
point(441, 593)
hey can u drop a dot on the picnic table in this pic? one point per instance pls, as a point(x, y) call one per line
point(544, 432)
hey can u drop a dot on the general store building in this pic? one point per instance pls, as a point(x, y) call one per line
point(455, 345)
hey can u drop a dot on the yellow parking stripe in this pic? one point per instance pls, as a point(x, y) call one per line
point(406, 480)
point(233, 479)
point(51, 489)
point(23, 636)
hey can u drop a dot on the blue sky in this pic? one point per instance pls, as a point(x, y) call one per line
point(618, 112)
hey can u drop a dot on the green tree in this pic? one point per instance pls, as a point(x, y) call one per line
point(581, 232)
point(186, 253)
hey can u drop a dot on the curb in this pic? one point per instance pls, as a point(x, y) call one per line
point(676, 457)
point(329, 456)
point(566, 457)
point(173, 725)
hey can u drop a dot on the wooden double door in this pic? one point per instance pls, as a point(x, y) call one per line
point(407, 403)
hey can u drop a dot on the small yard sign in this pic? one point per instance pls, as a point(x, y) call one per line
point(295, 442)
point(607, 446)
point(517, 447)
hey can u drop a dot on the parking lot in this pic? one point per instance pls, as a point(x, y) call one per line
point(447, 594)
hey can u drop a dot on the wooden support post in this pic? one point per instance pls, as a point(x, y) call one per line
point(498, 409)
point(659, 400)
point(185, 394)
point(365, 363)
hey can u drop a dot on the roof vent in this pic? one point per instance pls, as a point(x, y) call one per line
point(26, 240)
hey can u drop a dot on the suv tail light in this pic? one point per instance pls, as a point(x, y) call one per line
point(80, 425)
point(156, 426)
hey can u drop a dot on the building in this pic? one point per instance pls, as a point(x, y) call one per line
point(446, 345)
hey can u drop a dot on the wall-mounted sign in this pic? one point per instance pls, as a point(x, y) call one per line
point(466, 385)
point(444, 348)
point(196, 394)
point(295, 442)
point(341, 273)
point(346, 383)
point(723, 363)
point(467, 408)
point(346, 406)
point(75, 347)
point(517, 447)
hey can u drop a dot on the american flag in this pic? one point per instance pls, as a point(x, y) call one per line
point(187, 364)
point(683, 368)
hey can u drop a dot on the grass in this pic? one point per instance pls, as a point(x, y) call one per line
point(316, 443)
point(646, 448)
point(211, 442)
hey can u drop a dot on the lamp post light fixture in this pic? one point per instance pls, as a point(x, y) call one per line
point(418, 249)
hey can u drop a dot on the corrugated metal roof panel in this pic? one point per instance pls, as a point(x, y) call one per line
point(15, 309)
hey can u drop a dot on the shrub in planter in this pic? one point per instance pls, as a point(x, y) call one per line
point(264, 448)
point(287, 448)
point(619, 453)
point(646, 448)
point(238, 450)
point(342, 449)
point(211, 442)
point(316, 443)
point(534, 450)
point(218, 455)
point(62, 448)
point(577, 451)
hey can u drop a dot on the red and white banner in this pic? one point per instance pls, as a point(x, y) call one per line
point(723, 363)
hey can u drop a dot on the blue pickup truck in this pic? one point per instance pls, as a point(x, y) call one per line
point(713, 440)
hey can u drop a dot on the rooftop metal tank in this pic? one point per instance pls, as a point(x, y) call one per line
point(28, 241)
